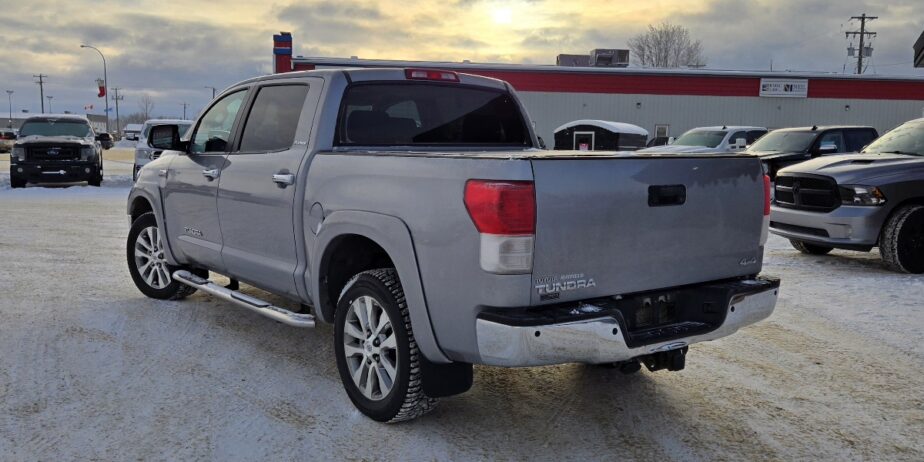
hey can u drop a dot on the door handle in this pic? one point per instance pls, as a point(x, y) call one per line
point(283, 179)
point(210, 174)
point(162, 172)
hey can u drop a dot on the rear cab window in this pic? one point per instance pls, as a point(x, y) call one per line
point(429, 114)
point(858, 138)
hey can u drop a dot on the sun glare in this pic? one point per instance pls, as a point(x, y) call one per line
point(502, 15)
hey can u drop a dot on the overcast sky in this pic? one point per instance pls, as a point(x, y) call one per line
point(172, 49)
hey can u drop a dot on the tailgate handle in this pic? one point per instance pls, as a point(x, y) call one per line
point(666, 195)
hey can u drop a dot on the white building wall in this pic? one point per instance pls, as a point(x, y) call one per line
point(549, 110)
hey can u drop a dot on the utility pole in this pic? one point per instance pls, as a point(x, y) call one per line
point(862, 33)
point(117, 98)
point(9, 95)
point(49, 104)
point(213, 90)
point(184, 110)
point(41, 83)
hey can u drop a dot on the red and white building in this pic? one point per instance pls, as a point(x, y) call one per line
point(668, 102)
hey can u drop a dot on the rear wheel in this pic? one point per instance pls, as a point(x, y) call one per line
point(147, 264)
point(810, 249)
point(902, 240)
point(377, 355)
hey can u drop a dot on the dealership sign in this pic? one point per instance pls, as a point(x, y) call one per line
point(784, 88)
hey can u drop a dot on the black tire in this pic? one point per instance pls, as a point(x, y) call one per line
point(16, 182)
point(902, 241)
point(134, 172)
point(97, 178)
point(173, 290)
point(406, 399)
point(810, 249)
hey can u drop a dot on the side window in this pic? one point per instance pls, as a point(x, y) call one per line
point(834, 137)
point(273, 119)
point(214, 128)
point(754, 135)
point(857, 139)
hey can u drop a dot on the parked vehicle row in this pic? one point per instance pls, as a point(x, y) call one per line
point(414, 211)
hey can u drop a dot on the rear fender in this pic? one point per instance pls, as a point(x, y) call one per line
point(392, 235)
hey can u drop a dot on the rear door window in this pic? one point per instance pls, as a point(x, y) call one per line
point(754, 135)
point(415, 114)
point(273, 118)
point(857, 139)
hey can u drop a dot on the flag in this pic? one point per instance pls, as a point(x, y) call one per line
point(88, 107)
point(102, 88)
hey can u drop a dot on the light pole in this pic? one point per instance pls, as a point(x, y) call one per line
point(9, 95)
point(49, 104)
point(213, 90)
point(105, 83)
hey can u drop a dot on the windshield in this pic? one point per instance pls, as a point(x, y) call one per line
point(783, 141)
point(906, 139)
point(700, 138)
point(55, 127)
point(400, 114)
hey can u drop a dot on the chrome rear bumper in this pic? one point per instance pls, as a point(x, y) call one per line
point(602, 339)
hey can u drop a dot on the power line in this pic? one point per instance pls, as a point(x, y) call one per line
point(862, 33)
point(41, 83)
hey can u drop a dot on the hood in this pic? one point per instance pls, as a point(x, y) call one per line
point(670, 148)
point(776, 155)
point(38, 139)
point(858, 168)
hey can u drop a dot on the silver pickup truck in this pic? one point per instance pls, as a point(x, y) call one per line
point(412, 209)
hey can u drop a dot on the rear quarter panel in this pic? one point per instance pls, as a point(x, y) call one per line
point(426, 193)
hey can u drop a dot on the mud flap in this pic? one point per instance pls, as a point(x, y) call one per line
point(440, 380)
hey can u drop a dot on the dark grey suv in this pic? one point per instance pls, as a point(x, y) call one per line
point(789, 146)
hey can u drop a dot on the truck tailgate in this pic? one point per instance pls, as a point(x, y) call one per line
point(618, 225)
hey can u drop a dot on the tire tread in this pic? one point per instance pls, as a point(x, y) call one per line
point(888, 241)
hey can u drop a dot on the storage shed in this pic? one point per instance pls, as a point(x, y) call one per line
point(600, 135)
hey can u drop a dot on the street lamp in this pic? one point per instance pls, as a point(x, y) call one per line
point(213, 90)
point(105, 82)
point(9, 95)
point(49, 104)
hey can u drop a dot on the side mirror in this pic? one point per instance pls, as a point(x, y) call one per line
point(827, 148)
point(741, 143)
point(670, 140)
point(105, 139)
point(166, 137)
point(542, 143)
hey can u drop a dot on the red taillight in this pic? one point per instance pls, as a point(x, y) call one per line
point(502, 207)
point(428, 74)
point(766, 195)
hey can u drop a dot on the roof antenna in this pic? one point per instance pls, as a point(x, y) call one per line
point(814, 127)
point(724, 127)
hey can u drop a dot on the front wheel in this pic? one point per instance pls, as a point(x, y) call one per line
point(902, 240)
point(377, 356)
point(147, 264)
point(810, 249)
point(16, 182)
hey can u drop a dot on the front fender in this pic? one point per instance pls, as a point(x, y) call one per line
point(393, 236)
point(151, 194)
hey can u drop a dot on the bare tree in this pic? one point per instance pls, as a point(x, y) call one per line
point(667, 45)
point(146, 105)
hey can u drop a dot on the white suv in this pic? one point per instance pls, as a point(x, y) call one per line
point(144, 153)
point(726, 138)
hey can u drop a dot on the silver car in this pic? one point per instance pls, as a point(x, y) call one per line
point(144, 153)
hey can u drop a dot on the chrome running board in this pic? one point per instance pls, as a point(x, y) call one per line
point(246, 301)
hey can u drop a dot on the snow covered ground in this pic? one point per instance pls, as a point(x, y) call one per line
point(91, 369)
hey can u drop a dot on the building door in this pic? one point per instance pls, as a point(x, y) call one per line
point(662, 131)
point(584, 141)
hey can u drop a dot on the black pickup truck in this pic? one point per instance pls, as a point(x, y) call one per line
point(56, 149)
point(789, 146)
